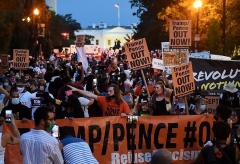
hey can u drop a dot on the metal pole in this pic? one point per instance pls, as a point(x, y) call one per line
point(197, 31)
point(224, 27)
point(119, 16)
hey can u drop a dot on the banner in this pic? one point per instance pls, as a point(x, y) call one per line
point(212, 103)
point(215, 74)
point(180, 33)
point(157, 63)
point(174, 58)
point(204, 55)
point(20, 59)
point(110, 137)
point(81, 57)
point(183, 81)
point(4, 61)
point(137, 54)
point(80, 40)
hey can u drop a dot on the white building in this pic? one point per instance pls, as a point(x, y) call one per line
point(52, 5)
point(105, 35)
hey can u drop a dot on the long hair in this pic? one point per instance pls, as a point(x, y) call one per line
point(117, 93)
point(74, 103)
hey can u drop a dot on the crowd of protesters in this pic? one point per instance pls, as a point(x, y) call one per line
point(60, 89)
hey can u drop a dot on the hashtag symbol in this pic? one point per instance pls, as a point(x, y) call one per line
point(190, 134)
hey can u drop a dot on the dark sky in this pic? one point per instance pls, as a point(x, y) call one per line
point(87, 12)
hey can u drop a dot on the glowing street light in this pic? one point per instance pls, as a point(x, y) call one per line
point(118, 7)
point(197, 4)
point(28, 19)
point(36, 12)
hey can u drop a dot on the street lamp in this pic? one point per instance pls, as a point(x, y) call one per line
point(118, 7)
point(197, 4)
point(36, 12)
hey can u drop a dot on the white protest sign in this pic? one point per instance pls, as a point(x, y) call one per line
point(220, 57)
point(20, 59)
point(166, 48)
point(203, 55)
point(137, 54)
point(80, 40)
point(157, 63)
point(180, 33)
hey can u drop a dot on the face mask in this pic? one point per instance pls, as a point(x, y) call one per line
point(170, 81)
point(202, 107)
point(15, 101)
point(49, 127)
point(6, 84)
point(144, 91)
point(20, 90)
point(111, 97)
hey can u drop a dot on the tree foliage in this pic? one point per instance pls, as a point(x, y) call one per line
point(150, 27)
point(155, 16)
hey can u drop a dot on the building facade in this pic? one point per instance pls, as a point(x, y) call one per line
point(105, 36)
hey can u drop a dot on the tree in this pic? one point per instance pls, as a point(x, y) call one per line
point(11, 14)
point(150, 27)
point(213, 39)
point(88, 39)
point(60, 24)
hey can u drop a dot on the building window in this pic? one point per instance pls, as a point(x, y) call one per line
point(109, 42)
point(97, 42)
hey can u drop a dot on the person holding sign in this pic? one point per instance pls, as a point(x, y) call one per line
point(160, 99)
point(112, 104)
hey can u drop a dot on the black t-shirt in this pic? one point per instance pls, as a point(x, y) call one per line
point(19, 111)
point(230, 100)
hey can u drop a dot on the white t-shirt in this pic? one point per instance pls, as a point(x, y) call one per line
point(25, 99)
point(84, 102)
point(43, 70)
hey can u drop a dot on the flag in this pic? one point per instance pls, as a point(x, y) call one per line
point(81, 57)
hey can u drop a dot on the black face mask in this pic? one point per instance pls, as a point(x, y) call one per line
point(215, 117)
point(144, 91)
point(111, 97)
point(28, 89)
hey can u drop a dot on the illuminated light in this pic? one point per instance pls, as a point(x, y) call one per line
point(36, 12)
point(197, 4)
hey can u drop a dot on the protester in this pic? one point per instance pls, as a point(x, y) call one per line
point(235, 133)
point(220, 152)
point(38, 146)
point(73, 109)
point(222, 113)
point(230, 98)
point(7, 138)
point(141, 103)
point(24, 96)
point(160, 99)
point(112, 104)
point(32, 86)
point(75, 150)
point(199, 107)
point(161, 156)
point(20, 112)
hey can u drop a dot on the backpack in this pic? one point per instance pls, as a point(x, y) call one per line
point(210, 156)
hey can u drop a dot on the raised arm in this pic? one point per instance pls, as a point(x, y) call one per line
point(8, 138)
point(84, 93)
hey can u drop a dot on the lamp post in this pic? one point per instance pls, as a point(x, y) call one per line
point(197, 4)
point(118, 7)
point(35, 23)
point(224, 27)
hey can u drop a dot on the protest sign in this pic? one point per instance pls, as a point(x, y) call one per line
point(20, 59)
point(4, 61)
point(212, 103)
point(174, 58)
point(109, 138)
point(215, 74)
point(204, 55)
point(137, 54)
point(166, 48)
point(80, 40)
point(183, 80)
point(180, 33)
point(157, 63)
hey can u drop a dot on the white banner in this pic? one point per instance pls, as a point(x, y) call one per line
point(203, 55)
point(157, 63)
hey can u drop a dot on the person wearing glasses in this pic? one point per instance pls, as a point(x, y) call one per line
point(38, 146)
point(235, 133)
